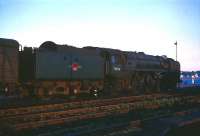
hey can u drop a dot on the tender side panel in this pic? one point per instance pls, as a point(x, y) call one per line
point(52, 65)
point(60, 66)
point(89, 67)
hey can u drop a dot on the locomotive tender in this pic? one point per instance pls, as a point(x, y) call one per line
point(54, 69)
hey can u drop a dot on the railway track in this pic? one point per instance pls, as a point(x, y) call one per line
point(88, 110)
point(120, 125)
point(108, 107)
point(99, 125)
point(72, 105)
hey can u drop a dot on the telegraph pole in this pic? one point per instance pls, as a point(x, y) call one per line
point(176, 49)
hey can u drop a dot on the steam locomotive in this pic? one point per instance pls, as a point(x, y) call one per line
point(53, 70)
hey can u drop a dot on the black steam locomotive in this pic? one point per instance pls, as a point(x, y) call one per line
point(54, 69)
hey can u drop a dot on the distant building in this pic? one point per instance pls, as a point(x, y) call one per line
point(190, 79)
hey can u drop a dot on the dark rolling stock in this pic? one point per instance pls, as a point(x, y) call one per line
point(54, 69)
point(8, 64)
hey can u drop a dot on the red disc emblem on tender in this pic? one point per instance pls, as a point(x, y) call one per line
point(75, 66)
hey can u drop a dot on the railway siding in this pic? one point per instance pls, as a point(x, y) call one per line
point(71, 115)
point(73, 105)
point(75, 111)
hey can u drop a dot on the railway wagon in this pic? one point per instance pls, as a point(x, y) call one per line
point(8, 65)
